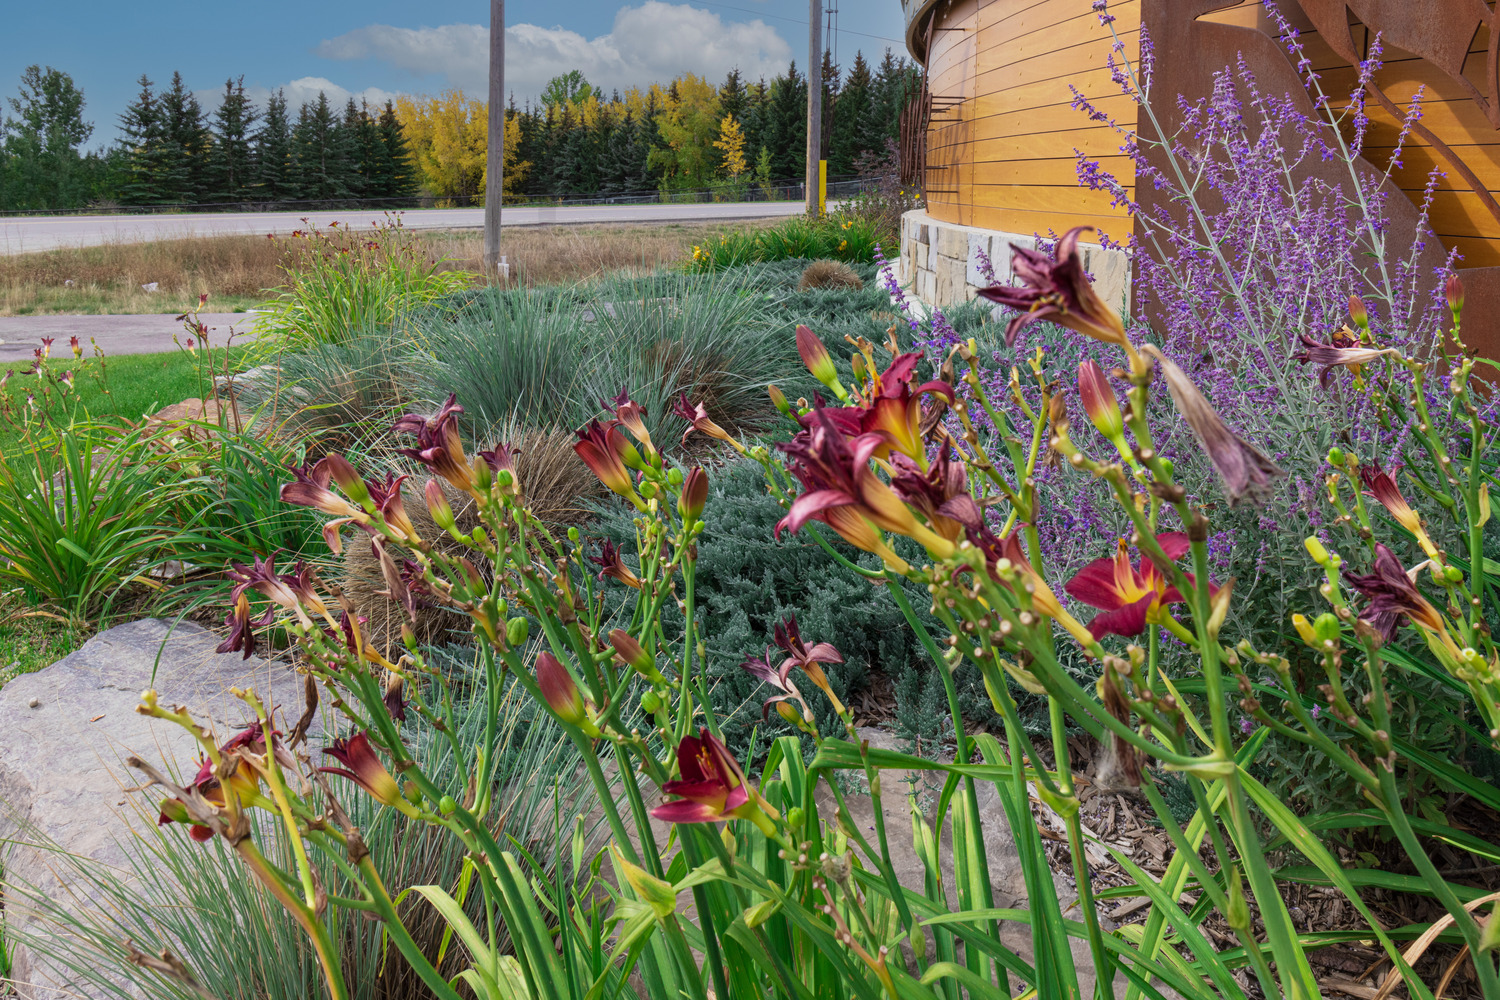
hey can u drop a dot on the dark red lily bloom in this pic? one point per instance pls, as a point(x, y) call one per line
point(1245, 472)
point(439, 446)
point(243, 780)
point(1056, 289)
point(311, 487)
point(387, 499)
point(76, 346)
point(611, 564)
point(1392, 594)
point(242, 626)
point(789, 637)
point(697, 418)
point(606, 452)
point(1343, 351)
point(46, 347)
point(363, 767)
point(631, 415)
point(940, 495)
point(780, 679)
point(895, 408)
point(710, 787)
point(1130, 597)
point(835, 472)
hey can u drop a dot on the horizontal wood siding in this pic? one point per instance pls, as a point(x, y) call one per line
point(1001, 155)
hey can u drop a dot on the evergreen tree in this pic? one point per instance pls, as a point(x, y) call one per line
point(41, 144)
point(402, 179)
point(321, 169)
point(831, 73)
point(273, 152)
point(785, 132)
point(230, 164)
point(733, 98)
point(852, 133)
point(141, 142)
point(185, 145)
point(896, 83)
point(757, 96)
point(349, 154)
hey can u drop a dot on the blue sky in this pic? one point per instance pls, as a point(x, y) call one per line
point(377, 48)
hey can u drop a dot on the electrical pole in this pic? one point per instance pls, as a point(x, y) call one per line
point(495, 157)
point(814, 101)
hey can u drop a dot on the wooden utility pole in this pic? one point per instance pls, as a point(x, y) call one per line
point(814, 101)
point(494, 189)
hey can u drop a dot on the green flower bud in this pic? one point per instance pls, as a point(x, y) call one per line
point(573, 534)
point(651, 703)
point(674, 476)
point(447, 806)
point(1336, 457)
point(1326, 627)
point(1454, 574)
point(516, 631)
point(794, 817)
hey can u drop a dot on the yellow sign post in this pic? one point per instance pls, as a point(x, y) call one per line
point(822, 188)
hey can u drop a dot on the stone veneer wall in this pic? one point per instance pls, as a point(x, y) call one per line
point(940, 261)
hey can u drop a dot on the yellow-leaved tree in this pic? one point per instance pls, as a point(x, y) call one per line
point(448, 136)
point(731, 145)
point(688, 122)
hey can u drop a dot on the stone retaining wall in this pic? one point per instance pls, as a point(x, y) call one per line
point(940, 261)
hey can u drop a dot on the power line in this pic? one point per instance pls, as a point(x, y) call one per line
point(794, 20)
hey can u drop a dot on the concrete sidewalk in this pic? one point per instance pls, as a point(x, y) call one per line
point(20, 336)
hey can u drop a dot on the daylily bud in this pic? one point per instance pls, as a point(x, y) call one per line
point(651, 703)
point(634, 656)
point(857, 363)
point(1304, 629)
point(1336, 457)
point(559, 689)
point(1316, 550)
point(1358, 312)
point(516, 631)
point(438, 507)
point(1326, 627)
point(1238, 912)
point(816, 357)
point(1099, 400)
point(1453, 291)
point(1219, 608)
point(778, 398)
point(694, 495)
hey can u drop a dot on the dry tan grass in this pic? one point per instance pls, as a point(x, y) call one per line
point(239, 271)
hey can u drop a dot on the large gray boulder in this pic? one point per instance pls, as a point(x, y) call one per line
point(65, 733)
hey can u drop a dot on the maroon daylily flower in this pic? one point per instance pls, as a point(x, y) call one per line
point(1056, 289)
point(1245, 472)
point(940, 495)
point(606, 452)
point(896, 409)
point(1342, 352)
point(439, 445)
point(243, 780)
point(710, 787)
point(1130, 597)
point(631, 416)
point(611, 564)
point(697, 418)
point(363, 767)
point(788, 636)
point(242, 626)
point(779, 678)
point(76, 346)
point(311, 490)
point(1382, 486)
point(1392, 594)
point(834, 470)
point(46, 350)
point(395, 582)
point(387, 499)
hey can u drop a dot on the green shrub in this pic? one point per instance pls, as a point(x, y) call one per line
point(346, 283)
point(846, 238)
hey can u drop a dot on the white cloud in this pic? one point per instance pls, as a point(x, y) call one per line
point(653, 42)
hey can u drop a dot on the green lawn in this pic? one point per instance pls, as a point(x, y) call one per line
point(131, 386)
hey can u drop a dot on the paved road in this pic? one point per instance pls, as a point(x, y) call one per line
point(20, 336)
point(30, 234)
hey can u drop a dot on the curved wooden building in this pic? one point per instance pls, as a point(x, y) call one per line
point(1002, 129)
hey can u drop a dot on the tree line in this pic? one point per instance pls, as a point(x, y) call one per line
point(688, 134)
